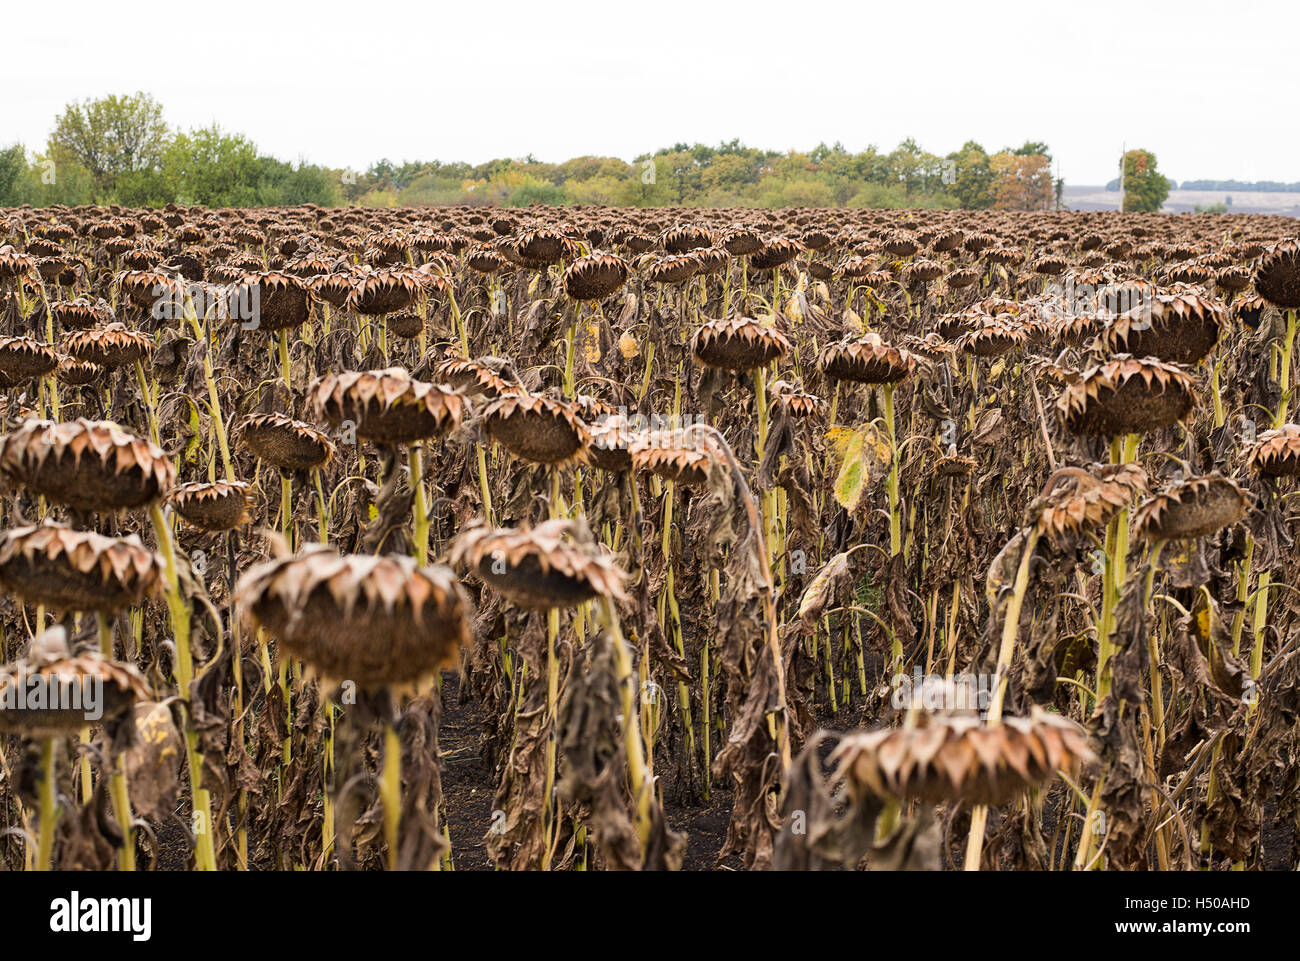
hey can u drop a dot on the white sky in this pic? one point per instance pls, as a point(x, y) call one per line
point(1209, 87)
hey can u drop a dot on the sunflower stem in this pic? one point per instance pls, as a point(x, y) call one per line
point(390, 791)
point(48, 804)
point(179, 613)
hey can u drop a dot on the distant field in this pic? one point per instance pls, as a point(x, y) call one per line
point(1182, 201)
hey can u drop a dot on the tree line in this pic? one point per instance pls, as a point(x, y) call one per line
point(120, 149)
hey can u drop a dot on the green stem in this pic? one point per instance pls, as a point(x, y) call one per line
point(122, 811)
point(632, 744)
point(179, 614)
point(48, 804)
point(1284, 370)
point(1006, 650)
point(421, 507)
point(390, 791)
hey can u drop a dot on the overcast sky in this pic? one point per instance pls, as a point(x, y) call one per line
point(1209, 87)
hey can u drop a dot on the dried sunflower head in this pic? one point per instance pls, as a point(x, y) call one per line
point(739, 344)
point(556, 564)
point(1180, 326)
point(1195, 507)
point(144, 288)
point(333, 288)
point(1277, 278)
point(1232, 278)
point(538, 429)
point(964, 277)
point(595, 276)
point(78, 373)
point(213, 506)
point(378, 621)
point(1250, 308)
point(486, 260)
point(478, 378)
point(81, 314)
point(739, 241)
point(683, 238)
point(672, 270)
point(14, 263)
point(854, 267)
point(1127, 395)
point(384, 291)
point(540, 247)
point(1276, 453)
point(386, 406)
point(922, 272)
point(954, 465)
point(814, 238)
point(109, 346)
point(947, 240)
point(994, 335)
point(77, 689)
point(951, 758)
point(87, 465)
point(285, 443)
point(407, 324)
point(1004, 256)
point(867, 360)
point(793, 402)
point(1076, 501)
point(671, 454)
point(1050, 265)
point(1077, 329)
point(610, 436)
point(900, 243)
point(22, 358)
point(71, 570)
point(776, 250)
point(283, 300)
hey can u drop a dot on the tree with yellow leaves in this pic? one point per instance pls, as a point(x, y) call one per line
point(1021, 181)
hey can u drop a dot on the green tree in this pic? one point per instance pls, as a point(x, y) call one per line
point(280, 183)
point(1145, 188)
point(111, 136)
point(534, 191)
point(13, 171)
point(209, 166)
point(972, 177)
point(1033, 148)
